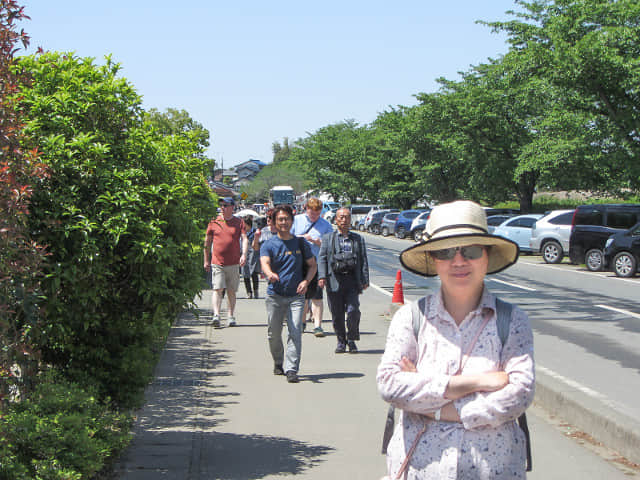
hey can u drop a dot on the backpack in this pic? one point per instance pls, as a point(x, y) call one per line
point(503, 322)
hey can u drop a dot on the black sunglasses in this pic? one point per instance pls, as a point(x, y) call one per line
point(470, 252)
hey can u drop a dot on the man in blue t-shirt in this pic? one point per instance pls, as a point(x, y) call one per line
point(282, 258)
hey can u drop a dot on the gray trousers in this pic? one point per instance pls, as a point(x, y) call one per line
point(278, 309)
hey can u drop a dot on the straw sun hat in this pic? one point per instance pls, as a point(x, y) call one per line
point(457, 224)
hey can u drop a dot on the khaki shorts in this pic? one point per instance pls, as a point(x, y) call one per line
point(227, 276)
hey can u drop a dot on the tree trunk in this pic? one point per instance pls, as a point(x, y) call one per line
point(526, 189)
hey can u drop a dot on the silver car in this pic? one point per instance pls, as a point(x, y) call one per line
point(518, 229)
point(550, 235)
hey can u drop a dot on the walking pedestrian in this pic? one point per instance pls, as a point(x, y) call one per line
point(225, 251)
point(460, 387)
point(251, 269)
point(343, 268)
point(283, 258)
point(311, 226)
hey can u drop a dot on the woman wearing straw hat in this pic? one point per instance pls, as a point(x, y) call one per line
point(459, 386)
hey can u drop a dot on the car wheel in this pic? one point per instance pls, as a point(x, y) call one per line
point(624, 265)
point(400, 233)
point(417, 235)
point(376, 230)
point(385, 231)
point(594, 260)
point(552, 252)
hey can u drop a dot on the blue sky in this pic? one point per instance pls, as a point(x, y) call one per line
point(255, 72)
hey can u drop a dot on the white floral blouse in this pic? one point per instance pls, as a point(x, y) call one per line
point(488, 443)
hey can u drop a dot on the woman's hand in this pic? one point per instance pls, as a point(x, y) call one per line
point(493, 381)
point(462, 385)
point(407, 365)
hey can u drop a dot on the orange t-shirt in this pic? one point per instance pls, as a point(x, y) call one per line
point(226, 240)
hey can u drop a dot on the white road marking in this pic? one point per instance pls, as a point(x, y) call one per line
point(578, 386)
point(380, 289)
point(512, 284)
point(619, 310)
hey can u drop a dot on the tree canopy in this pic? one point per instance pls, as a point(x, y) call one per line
point(559, 110)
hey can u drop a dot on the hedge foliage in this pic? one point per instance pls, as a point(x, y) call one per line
point(122, 213)
point(60, 432)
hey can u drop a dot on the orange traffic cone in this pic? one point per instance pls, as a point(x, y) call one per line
point(398, 295)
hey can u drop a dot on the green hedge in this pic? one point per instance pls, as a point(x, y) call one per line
point(61, 432)
point(123, 216)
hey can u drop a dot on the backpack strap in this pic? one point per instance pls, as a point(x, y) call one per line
point(503, 319)
point(417, 315)
point(504, 311)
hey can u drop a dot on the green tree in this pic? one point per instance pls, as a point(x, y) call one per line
point(335, 157)
point(123, 213)
point(592, 52)
point(179, 123)
point(281, 152)
point(395, 171)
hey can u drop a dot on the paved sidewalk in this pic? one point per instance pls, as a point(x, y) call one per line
point(216, 411)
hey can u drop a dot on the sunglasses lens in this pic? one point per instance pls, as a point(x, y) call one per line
point(471, 252)
point(444, 254)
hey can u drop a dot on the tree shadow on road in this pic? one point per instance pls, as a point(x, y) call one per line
point(244, 457)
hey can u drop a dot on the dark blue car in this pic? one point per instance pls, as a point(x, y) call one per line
point(403, 223)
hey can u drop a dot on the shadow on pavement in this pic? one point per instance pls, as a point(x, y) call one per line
point(244, 457)
point(329, 376)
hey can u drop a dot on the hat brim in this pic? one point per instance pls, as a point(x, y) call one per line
point(503, 252)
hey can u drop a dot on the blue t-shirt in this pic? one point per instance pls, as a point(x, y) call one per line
point(286, 260)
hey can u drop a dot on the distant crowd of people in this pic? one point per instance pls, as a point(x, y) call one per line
point(299, 256)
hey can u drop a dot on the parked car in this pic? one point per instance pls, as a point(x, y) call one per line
point(388, 224)
point(550, 235)
point(418, 224)
point(373, 222)
point(494, 220)
point(371, 213)
point(403, 223)
point(360, 225)
point(328, 206)
point(518, 229)
point(591, 227)
point(330, 215)
point(622, 252)
point(360, 211)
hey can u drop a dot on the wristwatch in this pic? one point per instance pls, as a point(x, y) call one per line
point(437, 415)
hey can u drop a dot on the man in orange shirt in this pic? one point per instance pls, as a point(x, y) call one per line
point(225, 258)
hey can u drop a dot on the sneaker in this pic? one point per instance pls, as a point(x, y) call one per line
point(318, 332)
point(352, 347)
point(341, 348)
point(216, 321)
point(292, 377)
point(231, 322)
point(278, 370)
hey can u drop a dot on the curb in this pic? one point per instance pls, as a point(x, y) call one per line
point(591, 415)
